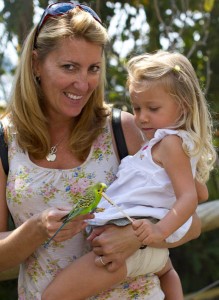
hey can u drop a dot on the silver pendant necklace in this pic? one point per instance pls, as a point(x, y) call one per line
point(52, 153)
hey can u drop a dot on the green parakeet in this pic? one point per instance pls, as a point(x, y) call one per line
point(86, 205)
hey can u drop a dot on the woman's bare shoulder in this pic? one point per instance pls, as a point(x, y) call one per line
point(133, 136)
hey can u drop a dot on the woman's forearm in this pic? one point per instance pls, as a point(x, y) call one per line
point(17, 245)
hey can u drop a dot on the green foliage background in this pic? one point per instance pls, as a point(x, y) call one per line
point(190, 27)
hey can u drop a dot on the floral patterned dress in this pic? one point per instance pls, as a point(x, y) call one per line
point(32, 189)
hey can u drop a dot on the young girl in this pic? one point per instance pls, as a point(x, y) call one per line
point(156, 186)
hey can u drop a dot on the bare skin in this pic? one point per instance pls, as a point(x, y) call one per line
point(37, 229)
point(70, 283)
point(113, 254)
point(115, 244)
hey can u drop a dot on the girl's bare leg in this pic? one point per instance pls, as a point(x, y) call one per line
point(82, 279)
point(170, 282)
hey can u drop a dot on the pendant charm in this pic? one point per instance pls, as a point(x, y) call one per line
point(52, 154)
point(51, 157)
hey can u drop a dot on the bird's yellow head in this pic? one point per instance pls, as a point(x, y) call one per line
point(101, 187)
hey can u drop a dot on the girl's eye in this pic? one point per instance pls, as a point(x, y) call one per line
point(136, 109)
point(153, 108)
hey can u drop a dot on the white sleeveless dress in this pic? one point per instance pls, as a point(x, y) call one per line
point(142, 187)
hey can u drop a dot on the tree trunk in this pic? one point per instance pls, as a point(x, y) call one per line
point(208, 212)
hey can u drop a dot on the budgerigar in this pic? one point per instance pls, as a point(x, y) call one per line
point(86, 205)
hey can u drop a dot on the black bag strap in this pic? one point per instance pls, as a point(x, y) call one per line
point(4, 159)
point(3, 150)
point(118, 133)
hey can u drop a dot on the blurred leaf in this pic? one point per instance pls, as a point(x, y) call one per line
point(208, 5)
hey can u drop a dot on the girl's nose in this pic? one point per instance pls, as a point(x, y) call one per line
point(144, 118)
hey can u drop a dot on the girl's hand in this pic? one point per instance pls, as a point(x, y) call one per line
point(114, 244)
point(147, 232)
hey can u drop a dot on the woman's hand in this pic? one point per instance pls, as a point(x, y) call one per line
point(114, 244)
point(51, 219)
point(17, 245)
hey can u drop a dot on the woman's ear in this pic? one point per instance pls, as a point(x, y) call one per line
point(35, 63)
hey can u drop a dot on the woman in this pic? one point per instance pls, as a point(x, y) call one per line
point(60, 142)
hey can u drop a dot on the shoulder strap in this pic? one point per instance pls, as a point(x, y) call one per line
point(3, 150)
point(118, 133)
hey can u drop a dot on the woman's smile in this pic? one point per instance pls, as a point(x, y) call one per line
point(73, 96)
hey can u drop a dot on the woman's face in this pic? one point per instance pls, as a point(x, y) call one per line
point(68, 77)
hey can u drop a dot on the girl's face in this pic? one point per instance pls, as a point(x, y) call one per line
point(68, 76)
point(153, 109)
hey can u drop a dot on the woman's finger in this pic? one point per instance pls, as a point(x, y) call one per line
point(101, 261)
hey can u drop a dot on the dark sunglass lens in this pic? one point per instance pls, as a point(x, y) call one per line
point(91, 12)
point(60, 8)
point(54, 10)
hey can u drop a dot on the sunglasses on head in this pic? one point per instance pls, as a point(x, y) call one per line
point(61, 8)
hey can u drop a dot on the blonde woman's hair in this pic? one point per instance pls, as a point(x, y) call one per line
point(175, 74)
point(26, 106)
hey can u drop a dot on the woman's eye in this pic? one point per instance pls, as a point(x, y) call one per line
point(69, 67)
point(95, 69)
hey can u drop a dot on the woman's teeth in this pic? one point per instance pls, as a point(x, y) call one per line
point(72, 96)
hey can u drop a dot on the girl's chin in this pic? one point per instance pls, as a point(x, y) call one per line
point(148, 136)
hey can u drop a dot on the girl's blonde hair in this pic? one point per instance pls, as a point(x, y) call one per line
point(174, 72)
point(26, 106)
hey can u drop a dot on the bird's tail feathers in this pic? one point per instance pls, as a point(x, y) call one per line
point(46, 245)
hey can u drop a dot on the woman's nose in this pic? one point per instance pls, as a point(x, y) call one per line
point(81, 82)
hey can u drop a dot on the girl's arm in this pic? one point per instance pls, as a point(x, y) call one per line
point(170, 155)
point(177, 164)
point(202, 191)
